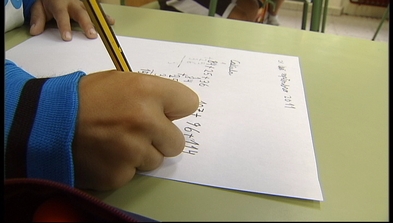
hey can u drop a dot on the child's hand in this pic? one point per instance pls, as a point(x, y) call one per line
point(125, 124)
point(62, 11)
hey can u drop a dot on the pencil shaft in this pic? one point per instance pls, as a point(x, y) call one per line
point(107, 35)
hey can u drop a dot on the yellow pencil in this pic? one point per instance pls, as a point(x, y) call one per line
point(107, 35)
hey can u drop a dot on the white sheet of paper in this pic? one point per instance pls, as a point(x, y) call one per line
point(251, 131)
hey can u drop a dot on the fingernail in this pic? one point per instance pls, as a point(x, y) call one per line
point(32, 27)
point(67, 36)
point(92, 31)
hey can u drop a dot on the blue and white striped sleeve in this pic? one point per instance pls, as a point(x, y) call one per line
point(40, 122)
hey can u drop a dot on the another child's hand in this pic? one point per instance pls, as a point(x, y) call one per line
point(62, 11)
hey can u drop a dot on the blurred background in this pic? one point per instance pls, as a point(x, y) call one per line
point(353, 18)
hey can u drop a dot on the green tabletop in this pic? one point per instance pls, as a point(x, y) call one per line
point(346, 84)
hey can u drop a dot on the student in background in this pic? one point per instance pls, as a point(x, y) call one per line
point(245, 10)
point(38, 12)
point(272, 17)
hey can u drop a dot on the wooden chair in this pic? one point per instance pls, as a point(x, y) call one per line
point(379, 3)
point(385, 15)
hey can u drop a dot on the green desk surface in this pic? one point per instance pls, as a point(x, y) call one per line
point(346, 84)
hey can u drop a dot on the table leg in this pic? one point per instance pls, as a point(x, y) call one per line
point(316, 15)
point(212, 7)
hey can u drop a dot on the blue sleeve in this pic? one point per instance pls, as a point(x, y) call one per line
point(49, 143)
point(27, 9)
